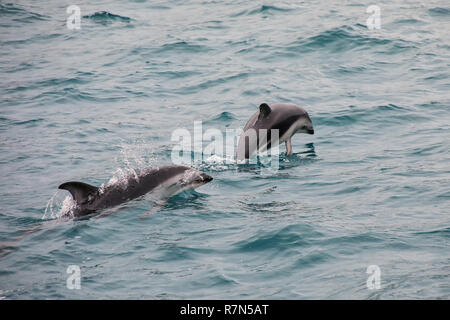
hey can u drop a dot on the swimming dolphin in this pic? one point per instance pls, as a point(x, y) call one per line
point(165, 181)
point(288, 118)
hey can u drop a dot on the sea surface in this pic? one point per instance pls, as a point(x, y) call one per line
point(371, 187)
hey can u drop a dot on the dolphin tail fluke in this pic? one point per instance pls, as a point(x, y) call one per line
point(80, 191)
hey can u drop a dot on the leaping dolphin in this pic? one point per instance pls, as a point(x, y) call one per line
point(287, 118)
point(166, 180)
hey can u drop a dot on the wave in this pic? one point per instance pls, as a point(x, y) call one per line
point(19, 14)
point(223, 117)
point(346, 38)
point(182, 46)
point(104, 17)
point(409, 21)
point(389, 113)
point(207, 84)
point(70, 94)
point(262, 9)
point(32, 122)
point(52, 83)
point(292, 236)
point(176, 74)
point(438, 11)
point(444, 232)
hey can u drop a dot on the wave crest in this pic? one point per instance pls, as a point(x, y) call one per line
point(104, 17)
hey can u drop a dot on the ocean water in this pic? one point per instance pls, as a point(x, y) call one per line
point(371, 187)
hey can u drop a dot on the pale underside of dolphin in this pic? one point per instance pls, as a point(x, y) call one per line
point(272, 125)
point(164, 181)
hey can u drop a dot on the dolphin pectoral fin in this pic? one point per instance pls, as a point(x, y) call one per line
point(156, 207)
point(288, 148)
point(264, 111)
point(80, 191)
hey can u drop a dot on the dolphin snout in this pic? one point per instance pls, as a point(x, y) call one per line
point(206, 178)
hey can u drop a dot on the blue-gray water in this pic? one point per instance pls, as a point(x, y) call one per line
point(371, 187)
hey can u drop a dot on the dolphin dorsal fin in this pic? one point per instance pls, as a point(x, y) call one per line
point(80, 191)
point(264, 111)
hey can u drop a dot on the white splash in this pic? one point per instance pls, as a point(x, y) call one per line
point(218, 163)
point(134, 157)
point(138, 154)
point(57, 208)
point(189, 175)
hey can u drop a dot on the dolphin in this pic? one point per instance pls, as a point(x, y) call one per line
point(287, 118)
point(165, 181)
